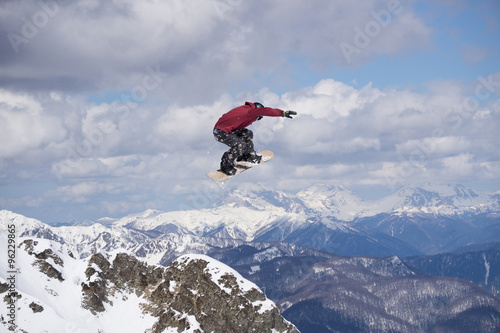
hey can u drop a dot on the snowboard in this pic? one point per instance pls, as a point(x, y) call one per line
point(220, 176)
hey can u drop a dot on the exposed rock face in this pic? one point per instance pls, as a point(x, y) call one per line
point(116, 292)
point(195, 294)
point(45, 266)
point(125, 273)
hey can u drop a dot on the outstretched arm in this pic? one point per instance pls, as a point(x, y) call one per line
point(270, 112)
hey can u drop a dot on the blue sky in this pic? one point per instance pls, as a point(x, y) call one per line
point(107, 108)
point(456, 32)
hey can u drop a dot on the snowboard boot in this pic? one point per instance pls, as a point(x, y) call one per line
point(250, 158)
point(227, 164)
point(228, 169)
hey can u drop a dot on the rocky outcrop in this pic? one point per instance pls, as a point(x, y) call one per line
point(194, 293)
point(36, 307)
point(116, 292)
point(45, 260)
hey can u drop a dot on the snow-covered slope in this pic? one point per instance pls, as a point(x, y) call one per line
point(52, 304)
point(448, 199)
point(158, 243)
point(115, 292)
point(225, 222)
point(83, 241)
point(330, 218)
point(333, 201)
point(255, 213)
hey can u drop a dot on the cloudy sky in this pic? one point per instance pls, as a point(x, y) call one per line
point(107, 107)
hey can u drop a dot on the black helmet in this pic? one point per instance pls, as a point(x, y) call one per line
point(258, 105)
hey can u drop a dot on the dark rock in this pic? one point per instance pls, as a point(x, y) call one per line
point(180, 294)
point(48, 253)
point(36, 307)
point(48, 270)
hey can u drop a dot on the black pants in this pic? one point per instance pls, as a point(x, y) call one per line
point(240, 143)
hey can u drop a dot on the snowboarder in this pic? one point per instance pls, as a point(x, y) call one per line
point(231, 130)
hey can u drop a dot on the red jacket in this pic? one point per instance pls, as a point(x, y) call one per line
point(243, 116)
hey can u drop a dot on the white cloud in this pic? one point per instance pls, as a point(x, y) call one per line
point(26, 125)
point(459, 166)
point(330, 99)
point(84, 192)
point(440, 146)
point(107, 45)
point(160, 73)
point(383, 131)
point(370, 137)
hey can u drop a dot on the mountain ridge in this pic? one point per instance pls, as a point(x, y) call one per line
point(409, 222)
point(116, 292)
point(262, 231)
point(336, 203)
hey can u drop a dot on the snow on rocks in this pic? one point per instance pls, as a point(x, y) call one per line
point(116, 292)
point(220, 272)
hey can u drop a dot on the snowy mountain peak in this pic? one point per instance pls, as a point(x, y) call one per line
point(325, 189)
point(216, 270)
point(21, 221)
point(55, 292)
point(148, 213)
point(443, 190)
point(432, 195)
point(258, 197)
point(336, 201)
point(445, 199)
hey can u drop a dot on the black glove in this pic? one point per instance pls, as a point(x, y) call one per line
point(289, 114)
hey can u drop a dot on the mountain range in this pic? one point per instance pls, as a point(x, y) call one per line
point(329, 293)
point(327, 238)
point(423, 219)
